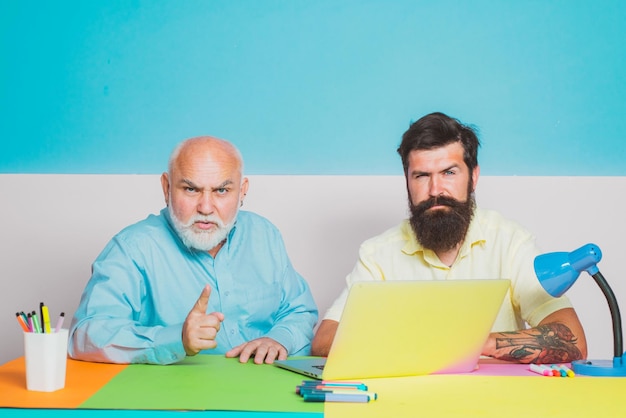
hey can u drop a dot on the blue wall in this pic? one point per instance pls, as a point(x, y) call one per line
point(310, 87)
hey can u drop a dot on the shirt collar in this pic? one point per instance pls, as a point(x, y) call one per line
point(231, 236)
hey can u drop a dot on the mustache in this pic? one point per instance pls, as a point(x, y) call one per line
point(202, 218)
point(437, 201)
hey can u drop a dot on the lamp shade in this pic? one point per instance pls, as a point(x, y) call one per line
point(558, 271)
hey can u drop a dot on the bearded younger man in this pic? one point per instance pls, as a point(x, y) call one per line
point(201, 276)
point(448, 238)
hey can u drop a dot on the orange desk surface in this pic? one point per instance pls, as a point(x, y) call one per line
point(83, 379)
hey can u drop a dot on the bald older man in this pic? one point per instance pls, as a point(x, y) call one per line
point(202, 276)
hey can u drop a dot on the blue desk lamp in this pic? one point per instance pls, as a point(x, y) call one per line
point(557, 272)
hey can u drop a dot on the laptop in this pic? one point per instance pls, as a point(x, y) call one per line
point(408, 328)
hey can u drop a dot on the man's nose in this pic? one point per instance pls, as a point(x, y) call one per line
point(435, 187)
point(205, 203)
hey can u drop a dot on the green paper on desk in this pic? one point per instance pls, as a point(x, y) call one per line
point(203, 382)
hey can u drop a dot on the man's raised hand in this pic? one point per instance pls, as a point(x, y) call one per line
point(200, 328)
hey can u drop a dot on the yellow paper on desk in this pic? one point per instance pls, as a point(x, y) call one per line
point(473, 395)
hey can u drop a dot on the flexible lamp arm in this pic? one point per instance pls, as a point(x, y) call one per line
point(615, 315)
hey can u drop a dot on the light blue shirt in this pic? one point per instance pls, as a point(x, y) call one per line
point(145, 282)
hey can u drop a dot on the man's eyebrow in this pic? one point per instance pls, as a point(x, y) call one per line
point(193, 185)
point(224, 184)
point(419, 173)
point(428, 173)
point(449, 168)
point(189, 183)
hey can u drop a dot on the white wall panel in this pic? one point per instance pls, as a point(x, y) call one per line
point(53, 226)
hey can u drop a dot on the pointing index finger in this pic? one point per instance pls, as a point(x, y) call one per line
point(202, 303)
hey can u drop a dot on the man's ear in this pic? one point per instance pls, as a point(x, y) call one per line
point(475, 175)
point(244, 190)
point(165, 185)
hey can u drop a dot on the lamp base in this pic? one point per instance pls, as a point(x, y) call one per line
point(606, 368)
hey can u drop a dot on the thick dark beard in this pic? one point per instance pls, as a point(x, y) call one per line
point(442, 229)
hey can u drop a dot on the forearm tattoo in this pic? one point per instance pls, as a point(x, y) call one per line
point(549, 343)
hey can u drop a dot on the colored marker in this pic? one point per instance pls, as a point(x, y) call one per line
point(57, 328)
point(331, 382)
point(45, 315)
point(335, 397)
point(31, 324)
point(302, 388)
point(23, 324)
point(35, 322)
point(551, 370)
point(569, 372)
point(24, 317)
point(313, 383)
point(355, 385)
point(540, 369)
point(41, 315)
point(372, 395)
point(560, 372)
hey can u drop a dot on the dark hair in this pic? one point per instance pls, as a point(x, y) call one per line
point(438, 130)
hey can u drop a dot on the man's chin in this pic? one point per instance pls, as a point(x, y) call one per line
point(203, 242)
point(204, 228)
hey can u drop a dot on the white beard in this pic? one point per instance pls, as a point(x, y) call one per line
point(201, 240)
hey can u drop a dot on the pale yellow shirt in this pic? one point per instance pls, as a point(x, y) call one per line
point(494, 248)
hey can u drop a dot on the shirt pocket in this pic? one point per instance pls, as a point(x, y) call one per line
point(261, 305)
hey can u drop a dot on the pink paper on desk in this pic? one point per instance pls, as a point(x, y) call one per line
point(493, 367)
point(489, 367)
point(503, 369)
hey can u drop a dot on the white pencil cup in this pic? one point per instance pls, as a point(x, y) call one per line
point(46, 360)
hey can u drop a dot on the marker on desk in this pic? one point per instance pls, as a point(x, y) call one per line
point(355, 385)
point(21, 322)
point(569, 372)
point(335, 397)
point(302, 388)
point(57, 328)
point(559, 370)
point(45, 315)
point(540, 369)
point(551, 370)
point(372, 395)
